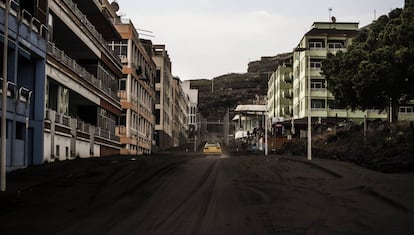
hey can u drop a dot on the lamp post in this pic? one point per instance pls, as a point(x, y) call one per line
point(309, 132)
point(4, 99)
point(266, 144)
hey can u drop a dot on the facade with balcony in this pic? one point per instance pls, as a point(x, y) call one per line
point(136, 91)
point(192, 109)
point(164, 99)
point(280, 92)
point(180, 114)
point(82, 73)
point(26, 34)
point(324, 37)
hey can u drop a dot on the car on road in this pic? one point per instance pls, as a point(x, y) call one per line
point(212, 148)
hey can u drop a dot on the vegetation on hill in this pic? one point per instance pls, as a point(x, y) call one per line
point(387, 147)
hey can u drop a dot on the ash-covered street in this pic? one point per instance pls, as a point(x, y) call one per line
point(196, 194)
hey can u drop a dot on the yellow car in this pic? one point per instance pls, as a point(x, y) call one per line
point(212, 148)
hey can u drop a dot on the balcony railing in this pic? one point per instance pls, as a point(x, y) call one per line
point(106, 134)
point(75, 67)
point(62, 119)
point(82, 126)
point(89, 26)
point(26, 18)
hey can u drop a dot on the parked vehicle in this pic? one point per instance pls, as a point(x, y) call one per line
point(212, 148)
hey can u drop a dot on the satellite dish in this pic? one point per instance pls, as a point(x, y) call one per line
point(333, 19)
point(115, 6)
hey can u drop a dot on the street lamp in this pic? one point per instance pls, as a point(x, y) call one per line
point(266, 144)
point(309, 132)
point(4, 100)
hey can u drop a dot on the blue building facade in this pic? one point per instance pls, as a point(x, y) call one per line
point(26, 71)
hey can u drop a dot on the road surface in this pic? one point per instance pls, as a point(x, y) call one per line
point(206, 195)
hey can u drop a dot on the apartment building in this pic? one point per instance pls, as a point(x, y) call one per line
point(164, 98)
point(312, 49)
point(180, 114)
point(280, 93)
point(192, 108)
point(26, 34)
point(136, 91)
point(82, 73)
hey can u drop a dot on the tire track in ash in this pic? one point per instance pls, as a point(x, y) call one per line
point(180, 210)
point(276, 187)
point(102, 214)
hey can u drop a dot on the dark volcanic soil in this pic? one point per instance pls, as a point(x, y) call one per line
point(195, 194)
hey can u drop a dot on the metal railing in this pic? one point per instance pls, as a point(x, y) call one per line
point(78, 13)
point(106, 134)
point(82, 126)
point(75, 67)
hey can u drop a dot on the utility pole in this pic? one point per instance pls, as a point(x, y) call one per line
point(4, 99)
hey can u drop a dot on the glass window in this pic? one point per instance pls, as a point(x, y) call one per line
point(122, 84)
point(317, 83)
point(317, 104)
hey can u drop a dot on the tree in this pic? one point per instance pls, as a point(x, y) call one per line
point(377, 70)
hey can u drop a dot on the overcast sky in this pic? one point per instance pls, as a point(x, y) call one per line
point(208, 38)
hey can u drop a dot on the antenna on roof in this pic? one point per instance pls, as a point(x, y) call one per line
point(375, 15)
point(330, 11)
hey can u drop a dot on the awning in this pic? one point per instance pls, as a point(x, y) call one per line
point(240, 134)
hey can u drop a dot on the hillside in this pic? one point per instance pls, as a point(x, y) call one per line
point(227, 91)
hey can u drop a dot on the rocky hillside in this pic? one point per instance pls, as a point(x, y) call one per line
point(227, 91)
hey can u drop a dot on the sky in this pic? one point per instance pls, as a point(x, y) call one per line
point(209, 38)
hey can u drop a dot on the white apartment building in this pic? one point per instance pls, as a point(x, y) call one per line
point(180, 114)
point(82, 74)
point(136, 91)
point(312, 49)
point(164, 98)
point(192, 108)
point(280, 92)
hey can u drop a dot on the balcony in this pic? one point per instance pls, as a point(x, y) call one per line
point(79, 70)
point(91, 28)
point(105, 134)
point(287, 110)
point(288, 94)
point(288, 77)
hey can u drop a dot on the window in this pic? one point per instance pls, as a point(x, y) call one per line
point(334, 104)
point(20, 130)
point(317, 83)
point(157, 117)
point(315, 64)
point(317, 104)
point(406, 109)
point(158, 76)
point(157, 97)
point(336, 44)
point(57, 150)
point(122, 120)
point(316, 43)
point(122, 84)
